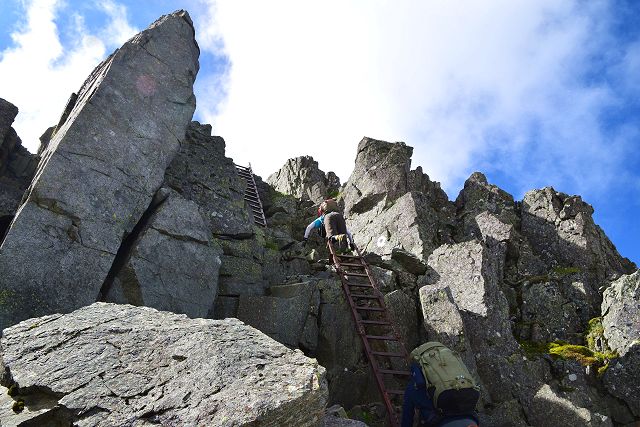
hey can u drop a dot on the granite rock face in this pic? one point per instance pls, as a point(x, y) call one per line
point(106, 365)
point(380, 173)
point(173, 265)
point(621, 322)
point(561, 230)
point(388, 205)
point(621, 312)
point(100, 172)
point(202, 173)
point(301, 178)
point(17, 166)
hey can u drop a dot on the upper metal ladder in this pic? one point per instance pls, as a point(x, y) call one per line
point(251, 195)
point(375, 327)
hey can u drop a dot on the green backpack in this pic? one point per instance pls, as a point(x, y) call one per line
point(340, 243)
point(450, 384)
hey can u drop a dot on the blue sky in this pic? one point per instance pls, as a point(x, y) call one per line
point(532, 93)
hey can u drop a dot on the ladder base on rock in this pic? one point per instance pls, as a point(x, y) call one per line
point(385, 351)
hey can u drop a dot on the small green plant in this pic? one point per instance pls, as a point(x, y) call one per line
point(335, 194)
point(18, 406)
point(13, 390)
point(595, 334)
point(566, 271)
point(565, 351)
point(270, 244)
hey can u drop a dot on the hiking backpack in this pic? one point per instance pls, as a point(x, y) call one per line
point(450, 384)
point(340, 243)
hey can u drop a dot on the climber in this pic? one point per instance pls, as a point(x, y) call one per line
point(331, 225)
point(455, 407)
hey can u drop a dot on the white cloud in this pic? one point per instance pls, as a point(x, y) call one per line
point(39, 73)
point(459, 81)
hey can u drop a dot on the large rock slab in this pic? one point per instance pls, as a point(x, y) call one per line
point(174, 264)
point(99, 172)
point(410, 223)
point(380, 173)
point(288, 314)
point(478, 197)
point(107, 365)
point(300, 177)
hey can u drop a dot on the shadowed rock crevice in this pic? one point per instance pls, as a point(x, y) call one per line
point(123, 255)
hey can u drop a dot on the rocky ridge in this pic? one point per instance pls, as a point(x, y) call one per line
point(147, 210)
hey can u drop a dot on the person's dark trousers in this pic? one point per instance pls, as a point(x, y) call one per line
point(416, 397)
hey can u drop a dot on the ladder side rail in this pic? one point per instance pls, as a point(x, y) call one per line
point(391, 412)
point(258, 195)
point(383, 305)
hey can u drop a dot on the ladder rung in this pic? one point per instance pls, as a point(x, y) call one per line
point(393, 372)
point(347, 264)
point(348, 256)
point(364, 296)
point(387, 354)
point(375, 322)
point(398, 392)
point(369, 308)
point(354, 274)
point(360, 285)
point(381, 337)
point(249, 195)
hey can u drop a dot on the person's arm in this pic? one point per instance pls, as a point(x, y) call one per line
point(315, 224)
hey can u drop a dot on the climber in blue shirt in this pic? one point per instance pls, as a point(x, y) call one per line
point(330, 221)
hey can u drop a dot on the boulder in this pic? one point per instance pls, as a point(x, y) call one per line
point(561, 230)
point(107, 364)
point(621, 313)
point(473, 272)
point(408, 261)
point(621, 322)
point(301, 178)
point(443, 322)
point(622, 378)
point(478, 197)
point(173, 265)
point(288, 314)
point(410, 224)
point(100, 171)
point(550, 406)
point(380, 173)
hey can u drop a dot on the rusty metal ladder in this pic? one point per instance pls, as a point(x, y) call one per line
point(375, 327)
point(251, 195)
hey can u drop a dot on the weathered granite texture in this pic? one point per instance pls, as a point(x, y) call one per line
point(380, 173)
point(387, 205)
point(108, 365)
point(463, 304)
point(100, 171)
point(621, 322)
point(202, 173)
point(301, 178)
point(174, 263)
